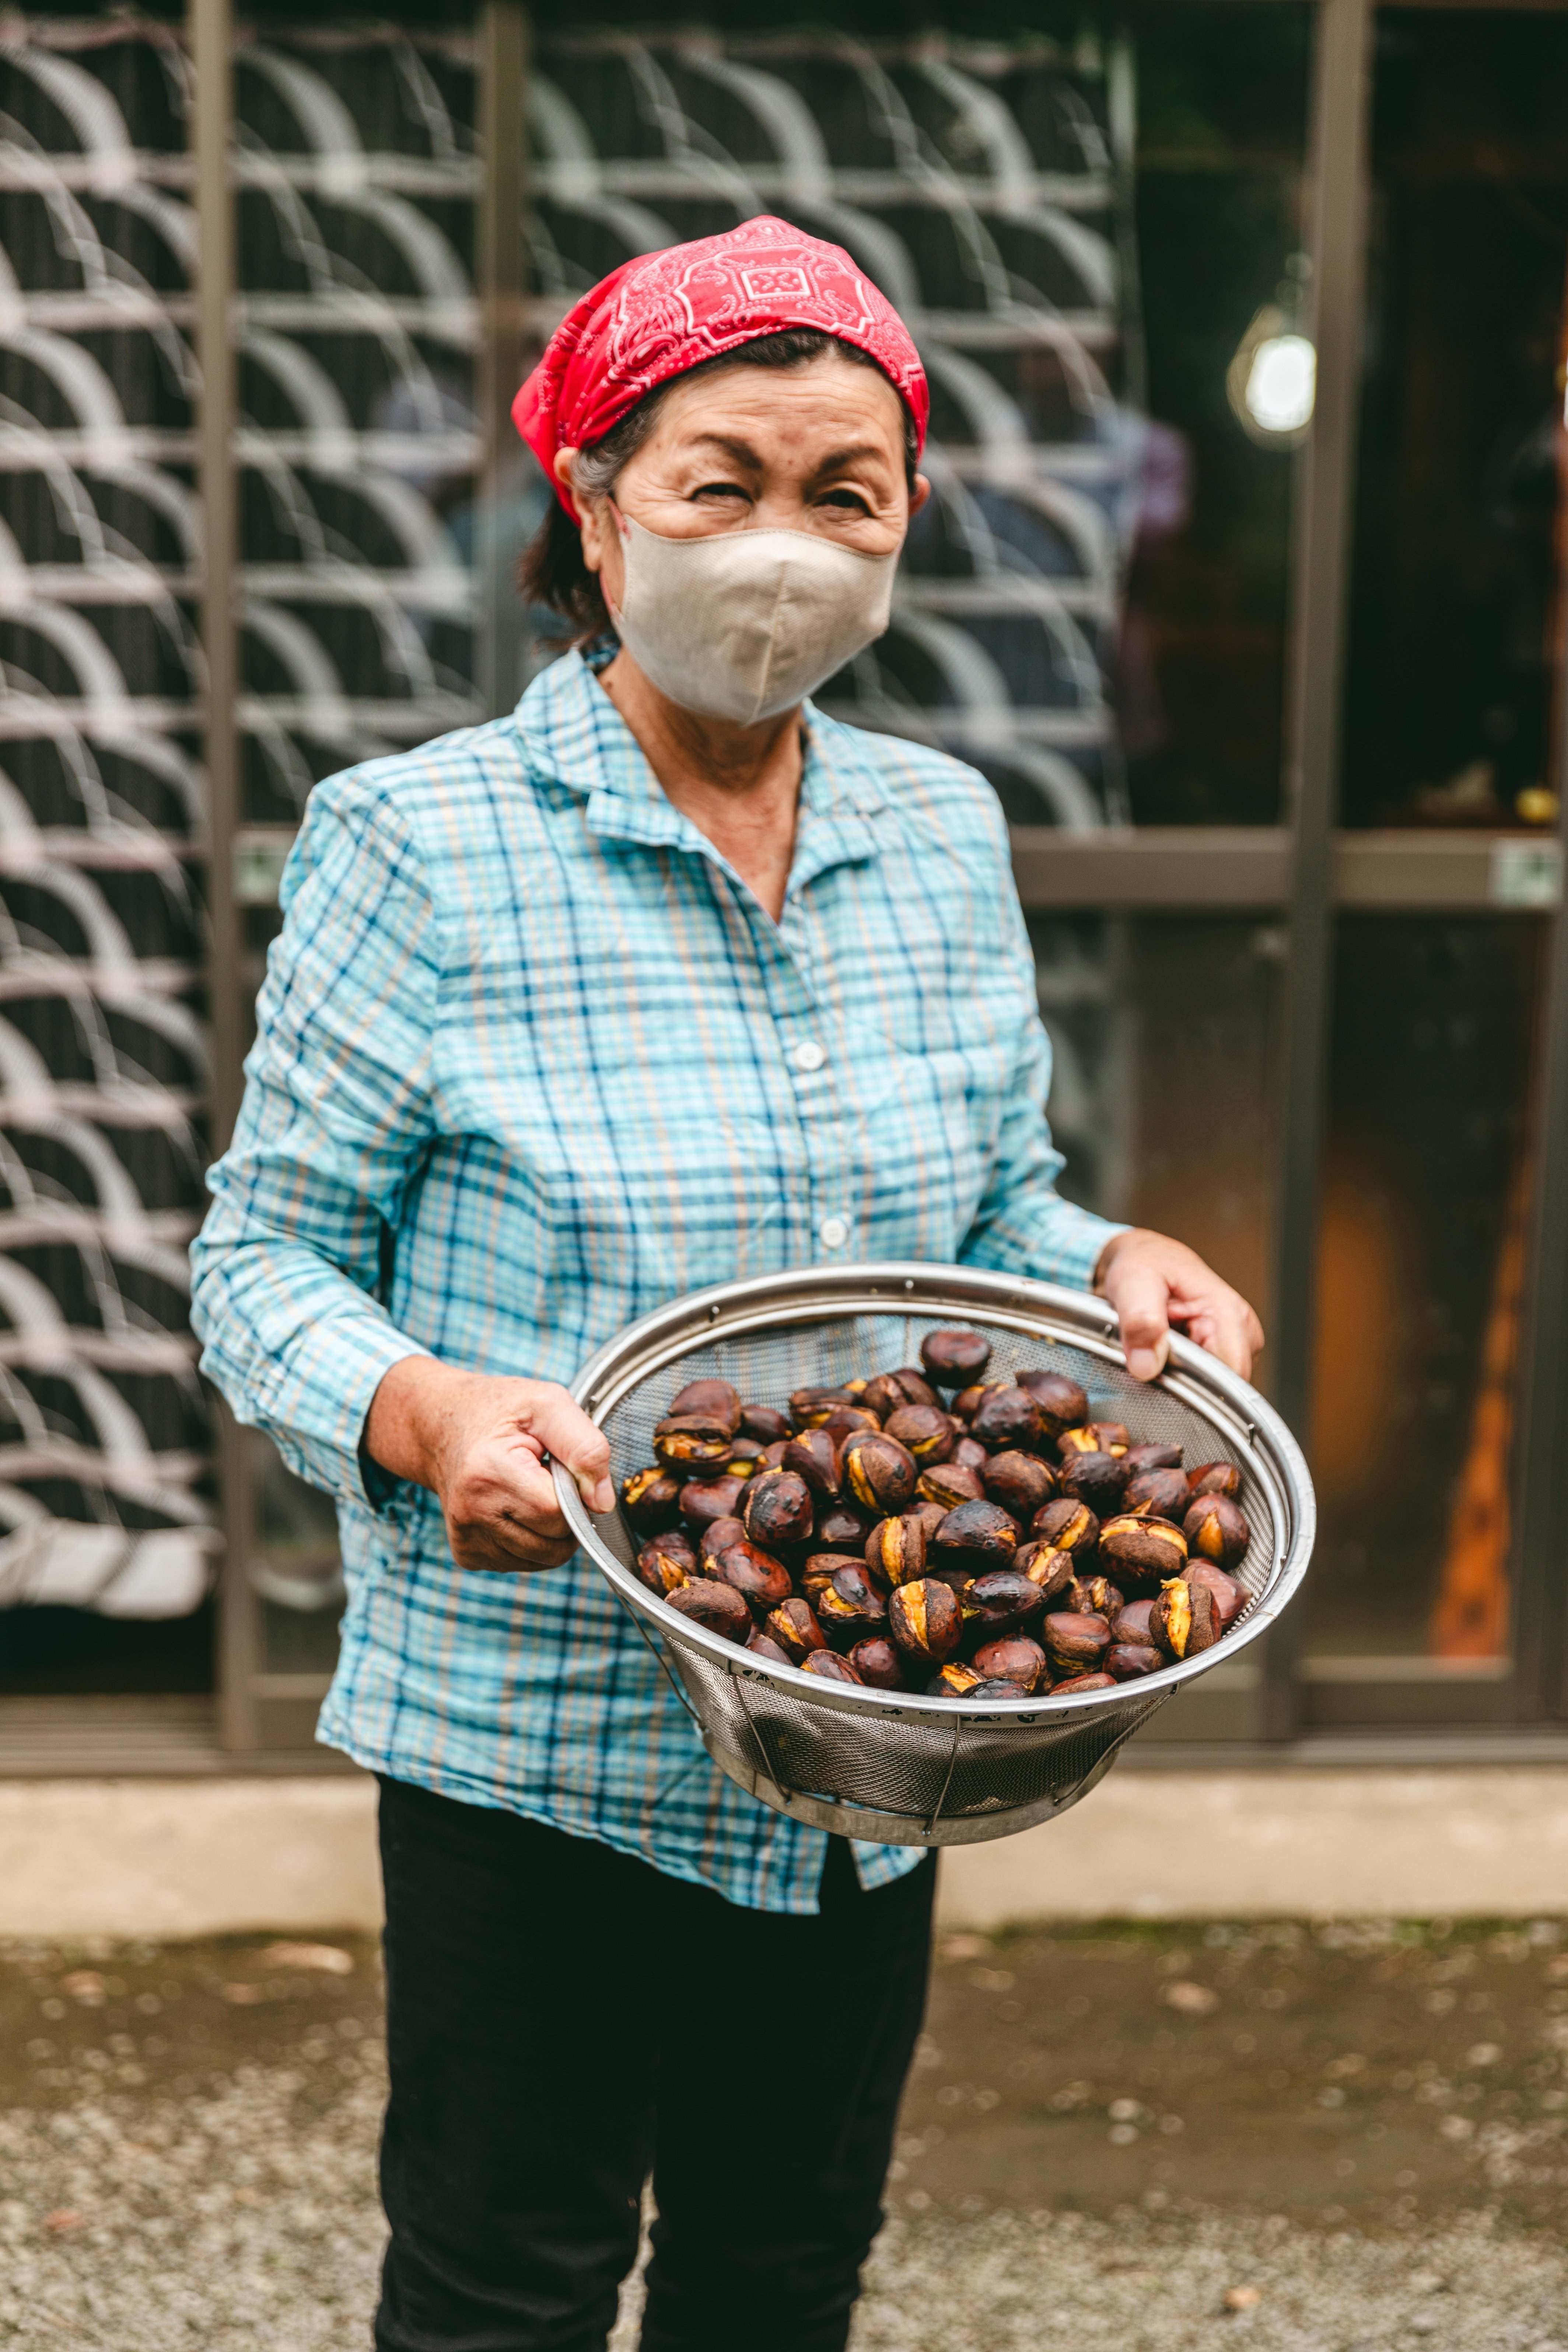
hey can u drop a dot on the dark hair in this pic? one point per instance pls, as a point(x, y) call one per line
point(552, 572)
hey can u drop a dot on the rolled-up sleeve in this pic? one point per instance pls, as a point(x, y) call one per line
point(334, 1127)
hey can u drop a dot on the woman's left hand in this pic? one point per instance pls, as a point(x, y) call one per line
point(1154, 1282)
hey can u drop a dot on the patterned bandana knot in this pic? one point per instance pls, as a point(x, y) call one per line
point(660, 314)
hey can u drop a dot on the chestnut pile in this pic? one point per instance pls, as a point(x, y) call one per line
point(998, 1544)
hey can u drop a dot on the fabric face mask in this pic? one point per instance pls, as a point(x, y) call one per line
point(742, 625)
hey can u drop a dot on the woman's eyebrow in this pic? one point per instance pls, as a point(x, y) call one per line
point(742, 451)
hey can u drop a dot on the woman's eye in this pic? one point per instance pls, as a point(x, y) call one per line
point(847, 502)
point(720, 490)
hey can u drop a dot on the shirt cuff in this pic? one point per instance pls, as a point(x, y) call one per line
point(1063, 1247)
point(317, 1417)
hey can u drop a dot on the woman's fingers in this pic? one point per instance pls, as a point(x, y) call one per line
point(1139, 1290)
point(572, 1439)
point(502, 1511)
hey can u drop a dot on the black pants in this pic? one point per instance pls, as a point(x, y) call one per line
point(563, 2020)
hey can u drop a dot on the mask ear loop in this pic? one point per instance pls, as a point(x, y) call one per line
point(624, 531)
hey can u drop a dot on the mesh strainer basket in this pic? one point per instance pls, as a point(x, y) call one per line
point(902, 1770)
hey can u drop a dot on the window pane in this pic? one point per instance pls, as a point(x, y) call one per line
point(1079, 219)
point(1423, 1253)
point(1456, 588)
point(1162, 1093)
point(1221, 112)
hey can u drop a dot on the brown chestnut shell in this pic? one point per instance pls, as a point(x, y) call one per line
point(1216, 1529)
point(650, 1499)
point(925, 1620)
point(954, 1360)
point(717, 1608)
point(1021, 1483)
point(715, 1397)
point(777, 1508)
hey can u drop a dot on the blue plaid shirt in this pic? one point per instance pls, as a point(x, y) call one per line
point(530, 1062)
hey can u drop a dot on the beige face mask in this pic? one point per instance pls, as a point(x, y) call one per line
point(742, 625)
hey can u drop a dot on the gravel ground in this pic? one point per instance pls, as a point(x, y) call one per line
point(1329, 2140)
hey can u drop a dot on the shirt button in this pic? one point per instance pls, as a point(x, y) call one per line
point(834, 1232)
point(809, 1056)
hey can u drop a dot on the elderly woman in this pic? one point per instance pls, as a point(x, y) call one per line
point(662, 981)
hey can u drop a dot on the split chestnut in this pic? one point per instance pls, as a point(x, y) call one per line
point(1000, 1546)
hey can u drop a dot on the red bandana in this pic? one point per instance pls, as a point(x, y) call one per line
point(660, 314)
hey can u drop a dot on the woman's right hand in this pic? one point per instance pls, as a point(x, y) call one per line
point(478, 1443)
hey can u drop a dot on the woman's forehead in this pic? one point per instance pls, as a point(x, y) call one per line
point(833, 401)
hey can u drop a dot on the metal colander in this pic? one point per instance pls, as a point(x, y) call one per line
point(902, 1769)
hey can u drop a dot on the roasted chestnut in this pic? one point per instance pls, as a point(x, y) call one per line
point(1183, 1619)
point(763, 1422)
point(1114, 1438)
point(777, 1508)
point(814, 1456)
point(1229, 1597)
point(743, 1456)
point(843, 1418)
point(651, 1499)
point(760, 1581)
point(1014, 1659)
point(877, 1472)
point(1074, 1644)
point(1001, 1602)
point(762, 1646)
point(1021, 1483)
point(1154, 1455)
point(968, 1454)
point(849, 1608)
point(955, 1681)
point(995, 1687)
point(949, 1484)
point(1142, 1549)
point(954, 1360)
point(1097, 1479)
point(1095, 1596)
point(666, 1561)
point(714, 1541)
point(714, 1397)
point(1008, 1419)
point(1068, 1525)
point(843, 1525)
point(877, 1663)
point(883, 1396)
point(924, 1619)
point(829, 1667)
point(771, 1457)
point(703, 1500)
point(685, 1441)
point(896, 1548)
point(822, 1567)
point(930, 1515)
point(967, 1402)
point(1157, 1494)
point(808, 1408)
point(1084, 1682)
point(717, 1608)
point(1215, 1478)
point(1049, 1570)
point(1125, 1661)
point(1215, 1528)
point(924, 1431)
point(975, 1535)
point(1079, 1439)
point(793, 1627)
point(1131, 1623)
point(1063, 1403)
